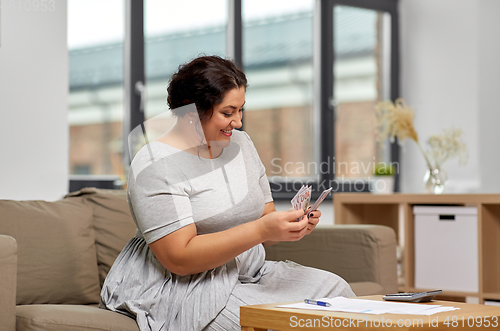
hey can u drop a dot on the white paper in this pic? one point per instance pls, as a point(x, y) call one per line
point(362, 306)
point(436, 310)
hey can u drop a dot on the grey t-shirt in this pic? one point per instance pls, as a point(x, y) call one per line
point(169, 188)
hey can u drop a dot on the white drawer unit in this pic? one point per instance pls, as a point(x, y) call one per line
point(446, 248)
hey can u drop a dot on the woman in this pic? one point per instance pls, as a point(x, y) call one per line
point(203, 208)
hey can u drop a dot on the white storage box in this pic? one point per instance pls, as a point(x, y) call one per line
point(446, 248)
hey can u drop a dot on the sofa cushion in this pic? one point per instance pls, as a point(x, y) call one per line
point(366, 288)
point(8, 279)
point(113, 224)
point(71, 318)
point(56, 250)
point(355, 252)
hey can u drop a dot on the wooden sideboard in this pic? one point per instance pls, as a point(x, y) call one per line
point(396, 211)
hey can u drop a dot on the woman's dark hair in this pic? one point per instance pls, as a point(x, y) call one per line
point(203, 81)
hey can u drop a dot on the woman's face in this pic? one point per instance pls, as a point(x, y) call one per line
point(226, 116)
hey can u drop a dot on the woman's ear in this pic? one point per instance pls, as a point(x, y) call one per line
point(191, 117)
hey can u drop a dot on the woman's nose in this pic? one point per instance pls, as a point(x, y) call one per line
point(236, 123)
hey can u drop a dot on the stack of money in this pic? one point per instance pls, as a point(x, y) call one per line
point(302, 198)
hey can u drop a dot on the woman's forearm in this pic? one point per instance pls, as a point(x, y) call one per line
point(184, 252)
point(207, 251)
point(269, 208)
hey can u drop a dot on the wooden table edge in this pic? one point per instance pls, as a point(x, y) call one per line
point(492, 313)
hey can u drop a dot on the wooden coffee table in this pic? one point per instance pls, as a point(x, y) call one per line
point(469, 316)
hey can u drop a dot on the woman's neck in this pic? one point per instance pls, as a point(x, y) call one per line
point(191, 141)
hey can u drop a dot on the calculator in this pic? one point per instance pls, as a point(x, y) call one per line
point(413, 297)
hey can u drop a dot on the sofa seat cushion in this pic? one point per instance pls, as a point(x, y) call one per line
point(71, 318)
point(366, 288)
point(57, 260)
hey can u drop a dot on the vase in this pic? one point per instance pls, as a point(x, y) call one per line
point(434, 180)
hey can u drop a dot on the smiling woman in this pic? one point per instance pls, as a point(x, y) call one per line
point(217, 88)
point(201, 200)
point(226, 116)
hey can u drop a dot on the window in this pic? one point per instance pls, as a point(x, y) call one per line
point(95, 92)
point(357, 64)
point(176, 32)
point(315, 70)
point(278, 62)
point(361, 79)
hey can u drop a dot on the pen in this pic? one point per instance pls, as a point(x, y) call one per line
point(317, 303)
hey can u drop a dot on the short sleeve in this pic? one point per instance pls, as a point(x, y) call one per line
point(159, 198)
point(263, 181)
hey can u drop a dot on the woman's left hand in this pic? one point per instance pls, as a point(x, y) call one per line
point(313, 221)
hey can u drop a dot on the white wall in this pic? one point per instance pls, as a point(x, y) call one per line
point(450, 76)
point(489, 95)
point(33, 103)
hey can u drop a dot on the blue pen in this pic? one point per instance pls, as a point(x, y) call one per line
point(317, 303)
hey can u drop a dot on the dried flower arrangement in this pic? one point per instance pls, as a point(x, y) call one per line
point(395, 119)
point(447, 146)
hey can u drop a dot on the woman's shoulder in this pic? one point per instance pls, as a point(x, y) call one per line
point(150, 155)
point(241, 137)
point(243, 140)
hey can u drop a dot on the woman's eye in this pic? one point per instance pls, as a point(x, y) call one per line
point(228, 114)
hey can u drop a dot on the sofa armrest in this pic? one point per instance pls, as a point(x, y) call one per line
point(357, 253)
point(8, 283)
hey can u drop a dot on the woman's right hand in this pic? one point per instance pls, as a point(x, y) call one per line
point(184, 252)
point(283, 226)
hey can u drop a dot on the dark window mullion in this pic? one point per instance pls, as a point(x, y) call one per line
point(234, 39)
point(395, 148)
point(323, 31)
point(133, 70)
point(389, 6)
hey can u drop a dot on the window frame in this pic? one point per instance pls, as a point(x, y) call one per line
point(324, 58)
point(323, 85)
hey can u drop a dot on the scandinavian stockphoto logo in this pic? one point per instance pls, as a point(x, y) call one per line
point(183, 165)
point(348, 175)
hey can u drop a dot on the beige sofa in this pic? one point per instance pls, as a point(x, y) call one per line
point(63, 250)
